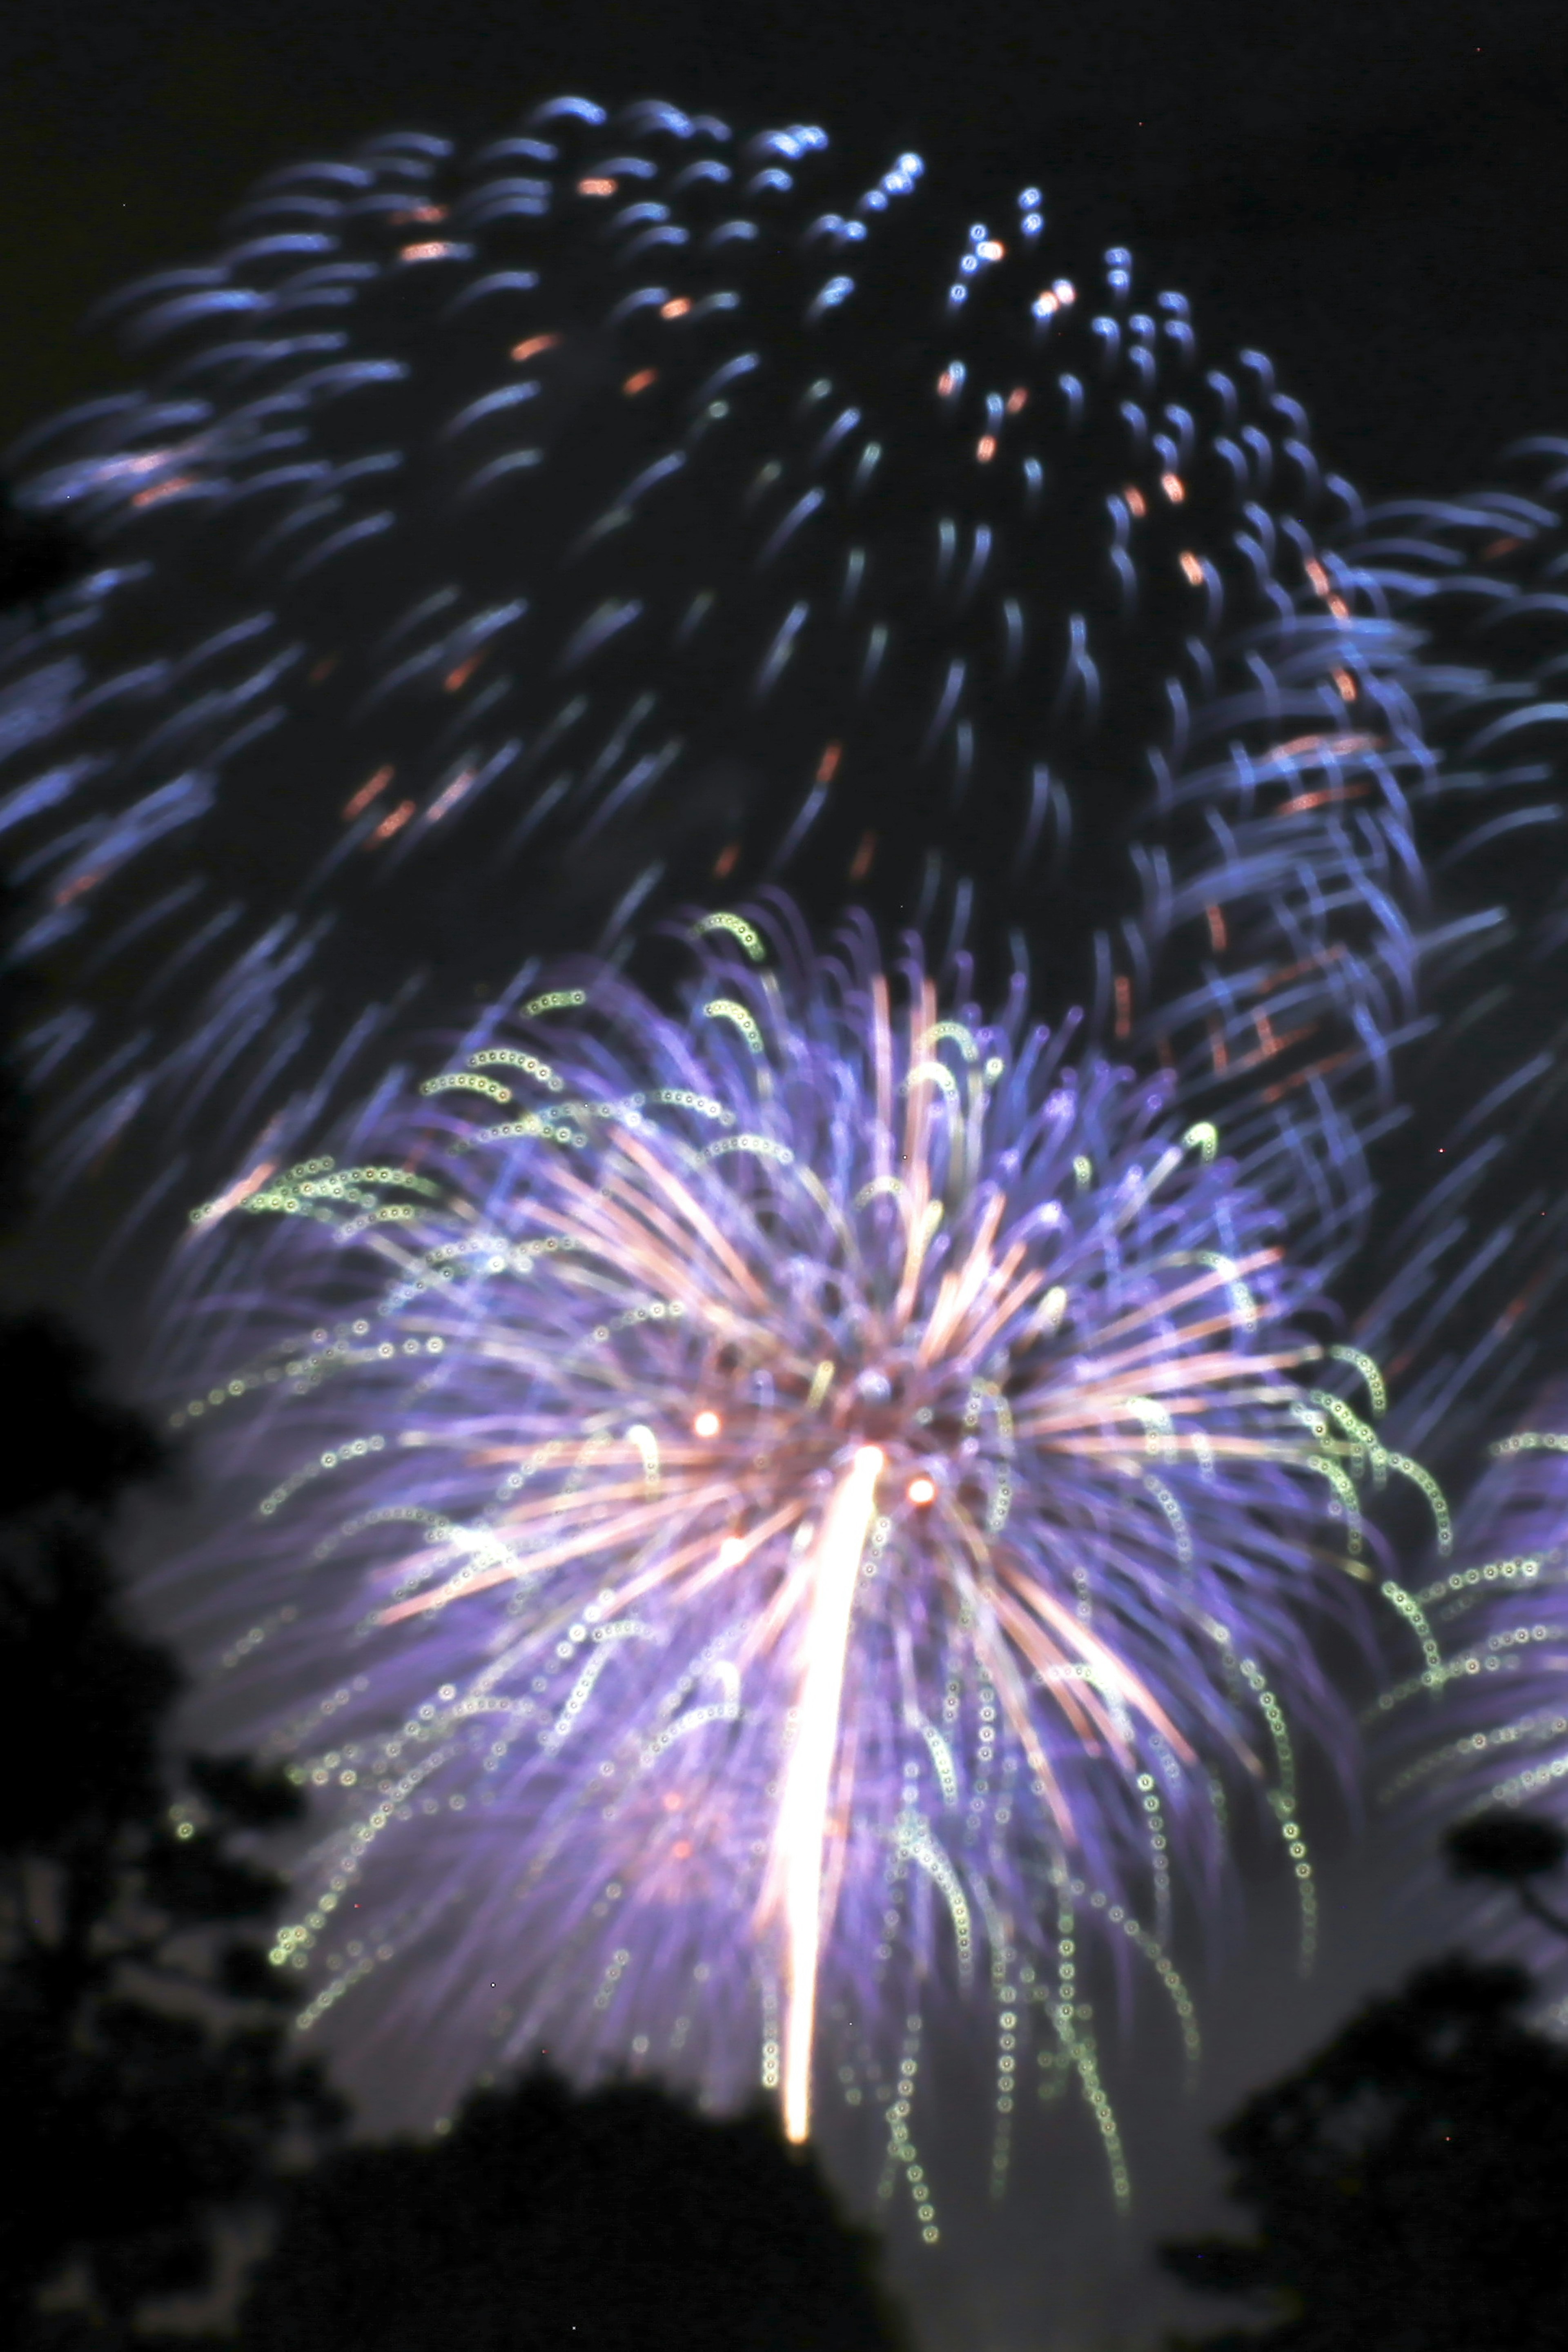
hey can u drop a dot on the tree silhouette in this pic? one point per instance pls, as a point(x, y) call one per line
point(139, 2038)
point(1408, 2185)
point(141, 2051)
point(1513, 1849)
point(619, 2222)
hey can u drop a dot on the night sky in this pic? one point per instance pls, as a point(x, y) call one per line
point(1377, 196)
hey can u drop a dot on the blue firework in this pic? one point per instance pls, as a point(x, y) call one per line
point(1461, 1288)
point(1462, 1277)
point(515, 543)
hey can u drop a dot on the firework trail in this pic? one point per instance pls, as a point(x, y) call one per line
point(1486, 1731)
point(795, 1498)
point(1471, 1213)
point(516, 544)
point(1473, 1210)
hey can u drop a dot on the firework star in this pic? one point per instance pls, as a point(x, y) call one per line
point(791, 1496)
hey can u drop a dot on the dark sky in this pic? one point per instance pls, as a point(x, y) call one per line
point(1377, 194)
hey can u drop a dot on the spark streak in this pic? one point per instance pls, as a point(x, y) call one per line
point(804, 1824)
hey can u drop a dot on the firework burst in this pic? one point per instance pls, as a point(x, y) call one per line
point(514, 544)
point(795, 1493)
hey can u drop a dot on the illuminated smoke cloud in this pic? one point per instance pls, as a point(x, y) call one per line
point(515, 544)
point(775, 1517)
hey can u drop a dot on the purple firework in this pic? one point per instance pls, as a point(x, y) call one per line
point(795, 1499)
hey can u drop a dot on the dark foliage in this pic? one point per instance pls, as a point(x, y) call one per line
point(63, 1438)
point(621, 2221)
point(141, 2050)
point(1513, 1850)
point(1515, 1847)
point(139, 2045)
point(1406, 2185)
